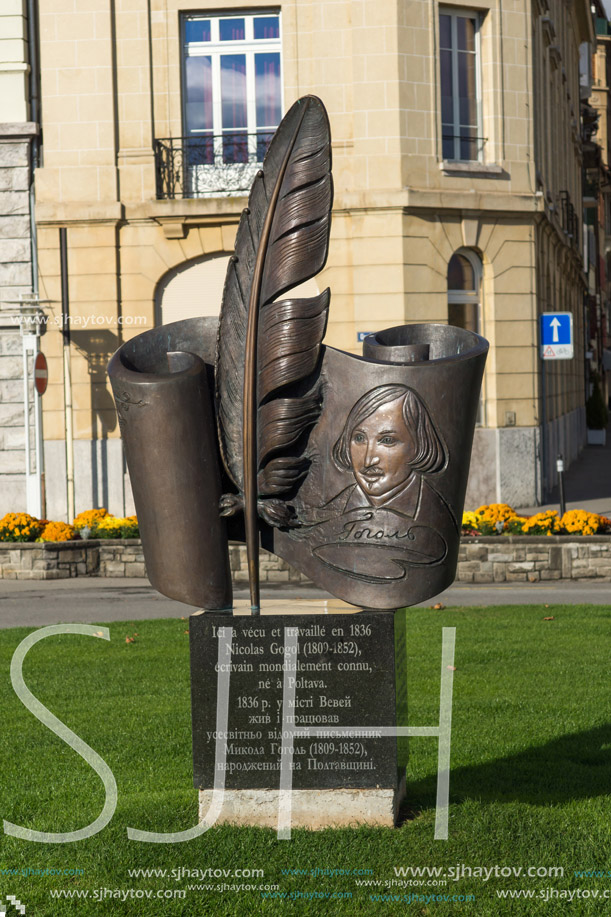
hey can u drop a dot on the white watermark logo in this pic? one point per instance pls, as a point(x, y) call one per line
point(70, 738)
point(290, 731)
point(77, 321)
point(12, 906)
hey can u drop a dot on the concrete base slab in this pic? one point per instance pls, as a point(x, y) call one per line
point(313, 809)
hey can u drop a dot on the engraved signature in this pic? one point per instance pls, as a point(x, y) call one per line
point(355, 531)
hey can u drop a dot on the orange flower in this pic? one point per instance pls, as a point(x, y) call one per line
point(58, 531)
point(19, 527)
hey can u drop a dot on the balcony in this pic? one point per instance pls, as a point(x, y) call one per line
point(209, 165)
point(569, 219)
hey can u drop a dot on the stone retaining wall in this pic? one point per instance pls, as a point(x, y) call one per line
point(71, 558)
point(515, 558)
point(271, 568)
point(505, 559)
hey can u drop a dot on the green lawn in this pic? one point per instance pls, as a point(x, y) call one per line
point(530, 783)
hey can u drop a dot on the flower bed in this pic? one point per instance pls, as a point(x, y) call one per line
point(501, 519)
point(93, 523)
point(555, 549)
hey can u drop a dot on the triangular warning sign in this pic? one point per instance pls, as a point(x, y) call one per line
point(549, 352)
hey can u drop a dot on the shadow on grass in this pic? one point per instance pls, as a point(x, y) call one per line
point(572, 767)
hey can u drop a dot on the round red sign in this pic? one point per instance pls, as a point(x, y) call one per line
point(41, 373)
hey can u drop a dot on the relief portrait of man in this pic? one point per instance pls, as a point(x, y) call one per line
point(390, 517)
point(389, 442)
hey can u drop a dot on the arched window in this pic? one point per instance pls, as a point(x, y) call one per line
point(464, 285)
point(464, 297)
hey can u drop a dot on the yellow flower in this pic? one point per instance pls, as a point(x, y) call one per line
point(493, 518)
point(58, 531)
point(20, 527)
point(116, 527)
point(580, 522)
point(89, 518)
point(546, 523)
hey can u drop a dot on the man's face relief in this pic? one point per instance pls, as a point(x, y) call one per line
point(381, 450)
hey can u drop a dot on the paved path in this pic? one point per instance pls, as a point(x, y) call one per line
point(99, 599)
point(587, 483)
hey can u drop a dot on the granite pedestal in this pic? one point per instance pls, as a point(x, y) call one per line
point(342, 682)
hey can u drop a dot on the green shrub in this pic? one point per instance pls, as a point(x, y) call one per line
point(597, 415)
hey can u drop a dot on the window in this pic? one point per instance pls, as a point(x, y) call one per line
point(464, 286)
point(232, 95)
point(459, 47)
point(464, 281)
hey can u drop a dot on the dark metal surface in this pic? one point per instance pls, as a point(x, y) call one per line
point(381, 507)
point(267, 391)
point(164, 405)
point(353, 469)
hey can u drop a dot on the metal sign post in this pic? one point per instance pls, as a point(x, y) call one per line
point(32, 322)
point(556, 342)
point(32, 464)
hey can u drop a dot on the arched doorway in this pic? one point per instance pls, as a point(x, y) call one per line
point(191, 289)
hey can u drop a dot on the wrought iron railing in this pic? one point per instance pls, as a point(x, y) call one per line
point(465, 148)
point(568, 215)
point(209, 165)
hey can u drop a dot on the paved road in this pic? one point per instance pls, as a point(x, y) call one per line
point(97, 599)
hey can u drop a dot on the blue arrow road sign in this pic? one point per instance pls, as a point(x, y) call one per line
point(557, 335)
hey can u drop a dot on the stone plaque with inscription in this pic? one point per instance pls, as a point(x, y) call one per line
point(344, 676)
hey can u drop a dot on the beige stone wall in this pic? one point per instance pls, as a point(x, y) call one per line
point(600, 93)
point(558, 30)
point(560, 287)
point(78, 98)
point(14, 103)
point(506, 96)
point(111, 84)
point(104, 314)
point(508, 309)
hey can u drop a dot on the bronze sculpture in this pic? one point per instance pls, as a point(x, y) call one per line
point(373, 514)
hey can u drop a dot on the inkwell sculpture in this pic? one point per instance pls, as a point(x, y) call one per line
point(353, 469)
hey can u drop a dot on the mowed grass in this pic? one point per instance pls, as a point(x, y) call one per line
point(530, 782)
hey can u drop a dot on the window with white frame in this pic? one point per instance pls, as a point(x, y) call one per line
point(232, 91)
point(460, 78)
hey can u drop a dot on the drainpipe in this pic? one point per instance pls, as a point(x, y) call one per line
point(63, 254)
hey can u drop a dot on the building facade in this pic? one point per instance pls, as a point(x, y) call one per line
point(597, 204)
point(19, 476)
point(457, 172)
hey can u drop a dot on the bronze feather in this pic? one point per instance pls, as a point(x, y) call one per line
point(268, 351)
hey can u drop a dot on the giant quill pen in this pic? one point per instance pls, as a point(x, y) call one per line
point(266, 346)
